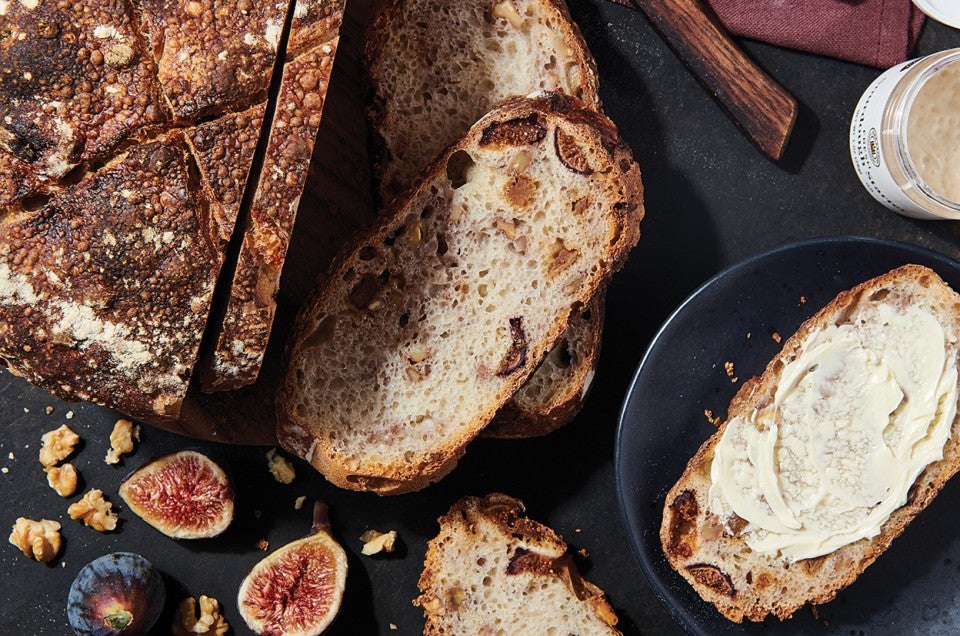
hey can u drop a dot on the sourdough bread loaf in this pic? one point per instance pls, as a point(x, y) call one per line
point(436, 317)
point(490, 570)
point(127, 134)
point(490, 50)
point(826, 457)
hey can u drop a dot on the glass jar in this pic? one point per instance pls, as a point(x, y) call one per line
point(905, 137)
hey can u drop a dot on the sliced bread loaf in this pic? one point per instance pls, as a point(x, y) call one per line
point(436, 317)
point(826, 457)
point(490, 50)
point(491, 570)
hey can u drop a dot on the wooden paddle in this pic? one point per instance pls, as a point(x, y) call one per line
point(756, 103)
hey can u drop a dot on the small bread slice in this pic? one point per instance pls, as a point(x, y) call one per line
point(491, 570)
point(712, 553)
point(436, 66)
point(558, 388)
point(435, 318)
point(490, 50)
point(243, 330)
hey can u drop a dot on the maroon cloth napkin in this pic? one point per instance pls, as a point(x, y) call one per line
point(878, 33)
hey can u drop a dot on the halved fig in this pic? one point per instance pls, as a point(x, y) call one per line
point(118, 593)
point(185, 495)
point(296, 591)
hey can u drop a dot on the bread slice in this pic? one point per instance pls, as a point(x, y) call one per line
point(436, 317)
point(711, 550)
point(244, 329)
point(436, 66)
point(490, 50)
point(491, 570)
point(558, 388)
point(104, 291)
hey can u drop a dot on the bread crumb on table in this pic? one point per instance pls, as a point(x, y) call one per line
point(280, 467)
point(69, 415)
point(375, 542)
point(263, 545)
point(728, 367)
point(715, 420)
point(298, 503)
point(776, 337)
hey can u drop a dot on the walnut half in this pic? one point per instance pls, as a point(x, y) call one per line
point(63, 479)
point(39, 540)
point(185, 621)
point(57, 445)
point(94, 511)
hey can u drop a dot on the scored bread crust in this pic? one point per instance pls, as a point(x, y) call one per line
point(485, 553)
point(399, 110)
point(556, 391)
point(614, 186)
point(709, 553)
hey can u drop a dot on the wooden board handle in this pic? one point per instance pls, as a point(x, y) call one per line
point(756, 103)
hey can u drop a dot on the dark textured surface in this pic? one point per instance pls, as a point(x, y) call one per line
point(712, 200)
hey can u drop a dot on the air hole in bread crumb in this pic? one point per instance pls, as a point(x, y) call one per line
point(34, 202)
point(458, 168)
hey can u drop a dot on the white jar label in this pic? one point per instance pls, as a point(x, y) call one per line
point(866, 146)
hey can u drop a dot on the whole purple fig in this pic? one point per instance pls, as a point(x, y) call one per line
point(118, 593)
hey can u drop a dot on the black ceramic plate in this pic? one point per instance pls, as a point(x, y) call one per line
point(915, 586)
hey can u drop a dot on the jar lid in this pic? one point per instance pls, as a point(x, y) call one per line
point(945, 11)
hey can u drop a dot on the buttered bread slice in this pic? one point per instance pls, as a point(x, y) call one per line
point(825, 458)
point(436, 317)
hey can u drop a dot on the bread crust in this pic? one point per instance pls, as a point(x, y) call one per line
point(102, 302)
point(308, 439)
point(538, 415)
point(766, 587)
point(546, 556)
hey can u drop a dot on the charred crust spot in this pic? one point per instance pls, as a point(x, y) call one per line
point(523, 131)
point(570, 153)
point(712, 577)
point(683, 524)
point(516, 355)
